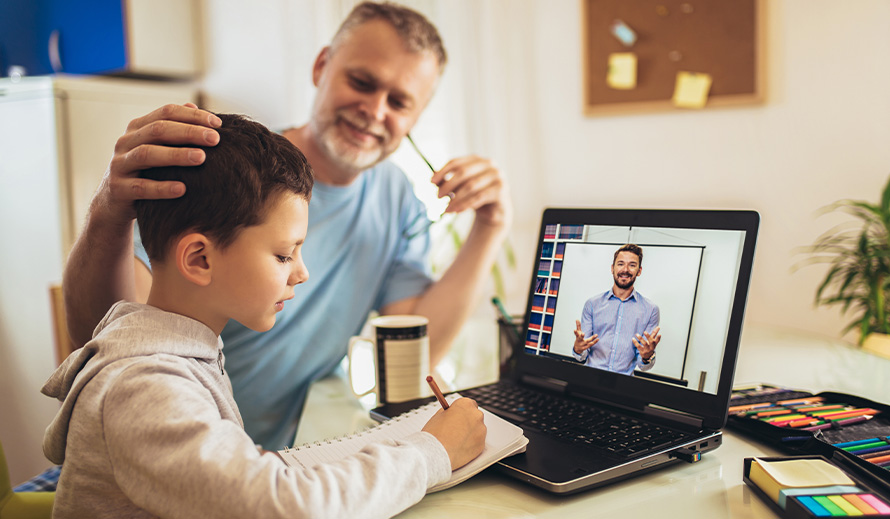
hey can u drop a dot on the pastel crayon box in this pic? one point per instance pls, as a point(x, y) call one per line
point(828, 423)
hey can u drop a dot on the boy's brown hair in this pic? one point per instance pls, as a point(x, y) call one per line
point(231, 190)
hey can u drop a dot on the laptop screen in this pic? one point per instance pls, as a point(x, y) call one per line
point(610, 283)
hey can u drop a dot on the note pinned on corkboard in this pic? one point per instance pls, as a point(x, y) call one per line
point(691, 90)
point(723, 40)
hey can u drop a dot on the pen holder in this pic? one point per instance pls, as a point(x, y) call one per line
point(510, 343)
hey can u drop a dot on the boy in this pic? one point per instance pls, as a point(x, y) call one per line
point(148, 426)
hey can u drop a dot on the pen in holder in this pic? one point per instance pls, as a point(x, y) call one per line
point(510, 334)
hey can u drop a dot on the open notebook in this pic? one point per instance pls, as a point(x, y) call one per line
point(503, 439)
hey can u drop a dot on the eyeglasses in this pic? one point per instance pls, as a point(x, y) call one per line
point(421, 223)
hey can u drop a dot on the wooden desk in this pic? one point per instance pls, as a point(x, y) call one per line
point(711, 488)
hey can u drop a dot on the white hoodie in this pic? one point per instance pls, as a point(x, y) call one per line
point(148, 427)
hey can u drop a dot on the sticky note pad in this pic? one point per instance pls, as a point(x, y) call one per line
point(691, 89)
point(785, 493)
point(622, 71)
point(774, 476)
point(814, 507)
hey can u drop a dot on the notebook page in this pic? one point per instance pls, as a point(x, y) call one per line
point(502, 439)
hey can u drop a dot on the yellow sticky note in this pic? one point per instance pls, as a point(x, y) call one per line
point(622, 71)
point(691, 89)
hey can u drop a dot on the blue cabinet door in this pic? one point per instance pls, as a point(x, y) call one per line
point(75, 37)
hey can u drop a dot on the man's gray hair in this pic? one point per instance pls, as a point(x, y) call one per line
point(416, 31)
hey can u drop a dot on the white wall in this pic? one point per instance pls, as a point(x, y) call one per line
point(30, 260)
point(821, 135)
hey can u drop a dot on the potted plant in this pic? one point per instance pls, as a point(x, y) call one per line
point(858, 277)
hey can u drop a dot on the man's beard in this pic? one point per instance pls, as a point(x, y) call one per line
point(345, 153)
point(625, 284)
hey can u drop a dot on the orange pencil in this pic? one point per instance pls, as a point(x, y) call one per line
point(436, 391)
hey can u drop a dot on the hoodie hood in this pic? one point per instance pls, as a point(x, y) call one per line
point(177, 335)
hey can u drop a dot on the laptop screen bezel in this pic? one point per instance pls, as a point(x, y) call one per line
point(638, 392)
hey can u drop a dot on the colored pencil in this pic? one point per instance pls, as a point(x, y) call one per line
point(857, 442)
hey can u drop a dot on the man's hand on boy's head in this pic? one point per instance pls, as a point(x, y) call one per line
point(145, 145)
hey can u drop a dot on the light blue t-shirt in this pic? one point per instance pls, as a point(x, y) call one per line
point(359, 259)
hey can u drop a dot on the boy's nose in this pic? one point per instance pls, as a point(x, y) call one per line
point(299, 274)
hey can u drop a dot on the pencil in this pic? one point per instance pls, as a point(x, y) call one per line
point(436, 391)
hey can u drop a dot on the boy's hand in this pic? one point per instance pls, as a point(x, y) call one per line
point(460, 430)
point(147, 143)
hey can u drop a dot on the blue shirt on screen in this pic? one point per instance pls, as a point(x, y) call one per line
point(616, 322)
point(361, 255)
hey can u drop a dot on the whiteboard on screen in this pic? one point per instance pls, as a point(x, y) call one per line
point(669, 278)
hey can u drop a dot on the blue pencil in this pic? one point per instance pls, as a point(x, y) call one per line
point(857, 442)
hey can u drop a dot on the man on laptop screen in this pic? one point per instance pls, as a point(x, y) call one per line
point(690, 273)
point(618, 329)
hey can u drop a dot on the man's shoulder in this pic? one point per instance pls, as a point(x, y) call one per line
point(385, 171)
point(602, 296)
point(645, 300)
point(387, 181)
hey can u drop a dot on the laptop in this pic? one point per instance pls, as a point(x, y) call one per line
point(610, 416)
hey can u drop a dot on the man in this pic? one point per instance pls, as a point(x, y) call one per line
point(618, 330)
point(373, 82)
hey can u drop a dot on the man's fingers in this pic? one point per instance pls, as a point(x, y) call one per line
point(474, 199)
point(457, 169)
point(144, 189)
point(167, 132)
point(467, 179)
point(187, 113)
point(149, 156)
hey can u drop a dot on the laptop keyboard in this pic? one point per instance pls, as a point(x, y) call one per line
point(574, 422)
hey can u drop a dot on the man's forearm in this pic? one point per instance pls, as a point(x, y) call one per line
point(99, 272)
point(450, 301)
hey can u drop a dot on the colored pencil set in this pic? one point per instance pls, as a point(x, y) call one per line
point(806, 414)
point(873, 450)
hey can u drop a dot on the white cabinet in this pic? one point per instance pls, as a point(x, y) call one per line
point(93, 112)
point(56, 138)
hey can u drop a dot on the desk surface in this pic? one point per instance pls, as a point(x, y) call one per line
point(711, 488)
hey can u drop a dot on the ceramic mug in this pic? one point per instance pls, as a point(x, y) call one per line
point(400, 352)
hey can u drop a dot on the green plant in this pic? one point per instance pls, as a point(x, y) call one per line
point(858, 254)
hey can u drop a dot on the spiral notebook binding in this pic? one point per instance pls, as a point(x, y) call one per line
point(367, 430)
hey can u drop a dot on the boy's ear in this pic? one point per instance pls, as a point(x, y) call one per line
point(191, 258)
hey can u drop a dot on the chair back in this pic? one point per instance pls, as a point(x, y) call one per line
point(64, 345)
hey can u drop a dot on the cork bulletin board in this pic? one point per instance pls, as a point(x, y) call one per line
point(721, 39)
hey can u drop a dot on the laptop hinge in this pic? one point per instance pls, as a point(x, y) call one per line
point(673, 415)
point(547, 383)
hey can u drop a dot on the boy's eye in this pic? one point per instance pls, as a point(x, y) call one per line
point(284, 259)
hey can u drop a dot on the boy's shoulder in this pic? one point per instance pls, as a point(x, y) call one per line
point(134, 336)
